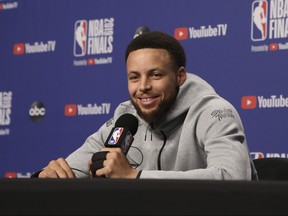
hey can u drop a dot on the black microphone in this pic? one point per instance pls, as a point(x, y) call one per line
point(120, 136)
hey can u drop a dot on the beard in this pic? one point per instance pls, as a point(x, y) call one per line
point(160, 111)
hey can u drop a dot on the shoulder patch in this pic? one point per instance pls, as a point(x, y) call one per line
point(222, 113)
point(109, 122)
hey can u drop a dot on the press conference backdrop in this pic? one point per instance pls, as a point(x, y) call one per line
point(62, 68)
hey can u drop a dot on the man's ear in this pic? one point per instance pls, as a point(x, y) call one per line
point(181, 76)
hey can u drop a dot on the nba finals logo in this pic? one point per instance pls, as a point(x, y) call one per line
point(259, 20)
point(92, 37)
point(269, 21)
point(80, 38)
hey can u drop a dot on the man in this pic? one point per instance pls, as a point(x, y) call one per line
point(186, 130)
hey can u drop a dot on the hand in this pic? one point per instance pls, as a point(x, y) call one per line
point(57, 169)
point(116, 165)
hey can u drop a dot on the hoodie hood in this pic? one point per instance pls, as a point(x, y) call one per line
point(195, 89)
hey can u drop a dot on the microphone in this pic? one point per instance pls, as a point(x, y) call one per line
point(120, 136)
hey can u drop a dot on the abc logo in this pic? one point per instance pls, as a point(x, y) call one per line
point(37, 111)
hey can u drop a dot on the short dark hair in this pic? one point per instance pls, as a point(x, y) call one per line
point(159, 40)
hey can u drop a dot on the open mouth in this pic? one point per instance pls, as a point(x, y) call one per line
point(147, 101)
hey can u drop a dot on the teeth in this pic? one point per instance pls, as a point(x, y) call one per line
point(146, 99)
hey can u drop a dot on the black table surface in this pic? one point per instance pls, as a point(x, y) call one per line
point(141, 197)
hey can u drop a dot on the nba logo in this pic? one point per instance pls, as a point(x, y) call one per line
point(80, 38)
point(115, 136)
point(259, 20)
point(257, 155)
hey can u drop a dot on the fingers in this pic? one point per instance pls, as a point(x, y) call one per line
point(115, 165)
point(57, 169)
point(64, 165)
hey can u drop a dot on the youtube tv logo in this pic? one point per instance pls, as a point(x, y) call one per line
point(181, 33)
point(19, 49)
point(249, 102)
point(10, 175)
point(17, 175)
point(91, 61)
point(70, 110)
point(273, 47)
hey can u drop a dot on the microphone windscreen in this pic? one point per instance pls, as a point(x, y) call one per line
point(128, 121)
point(140, 30)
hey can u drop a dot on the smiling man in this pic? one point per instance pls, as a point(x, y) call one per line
point(185, 131)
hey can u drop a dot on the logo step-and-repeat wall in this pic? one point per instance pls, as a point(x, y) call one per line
point(62, 68)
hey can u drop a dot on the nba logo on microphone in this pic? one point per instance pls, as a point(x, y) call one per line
point(115, 136)
point(259, 20)
point(80, 38)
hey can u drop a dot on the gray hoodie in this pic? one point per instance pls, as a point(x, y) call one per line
point(201, 137)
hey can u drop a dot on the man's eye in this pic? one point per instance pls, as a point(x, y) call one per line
point(133, 77)
point(156, 75)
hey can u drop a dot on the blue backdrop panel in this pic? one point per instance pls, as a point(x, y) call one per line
point(62, 68)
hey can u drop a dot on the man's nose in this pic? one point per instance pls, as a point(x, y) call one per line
point(145, 85)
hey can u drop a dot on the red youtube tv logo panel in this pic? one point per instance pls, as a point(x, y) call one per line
point(273, 47)
point(249, 102)
point(181, 33)
point(91, 61)
point(19, 49)
point(70, 110)
point(10, 175)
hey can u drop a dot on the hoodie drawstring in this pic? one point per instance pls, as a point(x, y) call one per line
point(160, 152)
point(147, 131)
point(164, 143)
